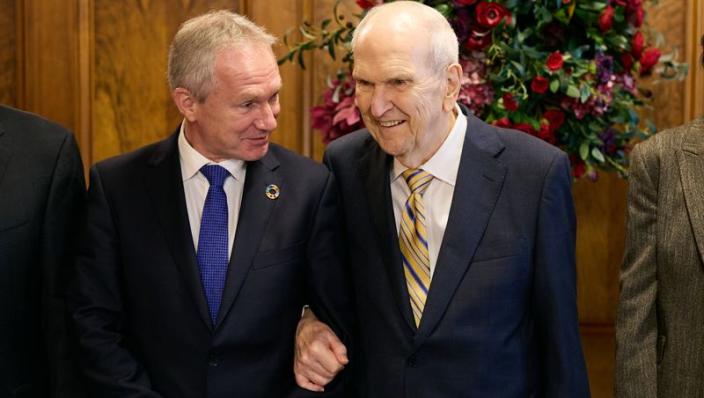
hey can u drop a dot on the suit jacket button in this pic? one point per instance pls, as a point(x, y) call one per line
point(411, 361)
point(213, 361)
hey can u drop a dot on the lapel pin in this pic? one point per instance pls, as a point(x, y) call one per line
point(272, 191)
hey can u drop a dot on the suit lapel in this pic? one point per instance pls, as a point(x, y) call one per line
point(479, 181)
point(165, 186)
point(375, 166)
point(691, 164)
point(255, 211)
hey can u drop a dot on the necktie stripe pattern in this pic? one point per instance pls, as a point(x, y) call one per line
point(212, 252)
point(413, 241)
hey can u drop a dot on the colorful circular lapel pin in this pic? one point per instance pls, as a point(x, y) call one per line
point(272, 191)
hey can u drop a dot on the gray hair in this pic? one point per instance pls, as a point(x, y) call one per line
point(444, 46)
point(193, 49)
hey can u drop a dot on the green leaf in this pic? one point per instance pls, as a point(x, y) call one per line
point(584, 93)
point(584, 150)
point(331, 49)
point(572, 91)
point(554, 85)
point(519, 68)
point(596, 154)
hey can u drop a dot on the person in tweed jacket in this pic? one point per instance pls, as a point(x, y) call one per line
point(660, 320)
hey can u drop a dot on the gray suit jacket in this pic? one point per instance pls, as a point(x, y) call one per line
point(660, 322)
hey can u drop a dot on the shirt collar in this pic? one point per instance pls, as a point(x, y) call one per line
point(192, 160)
point(445, 163)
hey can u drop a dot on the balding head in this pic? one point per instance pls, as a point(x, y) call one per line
point(421, 26)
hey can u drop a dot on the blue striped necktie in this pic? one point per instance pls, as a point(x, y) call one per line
point(212, 252)
point(413, 241)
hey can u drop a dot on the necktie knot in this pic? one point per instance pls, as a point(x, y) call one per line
point(215, 174)
point(418, 180)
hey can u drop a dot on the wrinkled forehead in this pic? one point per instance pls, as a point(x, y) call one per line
point(377, 51)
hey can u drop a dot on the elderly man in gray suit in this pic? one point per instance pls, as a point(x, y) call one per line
point(660, 323)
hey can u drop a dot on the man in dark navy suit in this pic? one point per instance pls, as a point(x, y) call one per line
point(461, 235)
point(41, 197)
point(201, 250)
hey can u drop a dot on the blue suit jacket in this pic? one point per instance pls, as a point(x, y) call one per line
point(139, 306)
point(500, 318)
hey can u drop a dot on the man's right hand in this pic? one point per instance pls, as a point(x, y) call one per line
point(320, 355)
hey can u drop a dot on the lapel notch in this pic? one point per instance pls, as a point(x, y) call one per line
point(255, 211)
point(375, 166)
point(479, 182)
point(691, 165)
point(165, 186)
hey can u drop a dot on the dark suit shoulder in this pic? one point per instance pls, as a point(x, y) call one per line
point(140, 157)
point(527, 147)
point(30, 130)
point(350, 146)
point(296, 163)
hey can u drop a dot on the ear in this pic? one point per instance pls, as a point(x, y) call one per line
point(453, 75)
point(186, 103)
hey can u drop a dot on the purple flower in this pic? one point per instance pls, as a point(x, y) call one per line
point(608, 137)
point(604, 67)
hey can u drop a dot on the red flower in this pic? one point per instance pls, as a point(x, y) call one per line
point(637, 45)
point(465, 2)
point(547, 134)
point(555, 61)
point(477, 41)
point(539, 85)
point(606, 19)
point(526, 128)
point(578, 168)
point(489, 15)
point(366, 4)
point(510, 104)
point(503, 122)
point(555, 118)
point(621, 3)
point(648, 59)
point(636, 17)
point(627, 61)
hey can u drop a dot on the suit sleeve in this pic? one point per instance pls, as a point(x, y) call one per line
point(563, 371)
point(330, 289)
point(98, 310)
point(62, 216)
point(636, 321)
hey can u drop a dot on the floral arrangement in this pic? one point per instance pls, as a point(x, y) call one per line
point(565, 71)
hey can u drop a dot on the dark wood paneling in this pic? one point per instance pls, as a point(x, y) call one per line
point(132, 102)
point(670, 19)
point(48, 84)
point(8, 53)
point(278, 17)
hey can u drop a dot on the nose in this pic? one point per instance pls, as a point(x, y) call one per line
point(380, 102)
point(267, 119)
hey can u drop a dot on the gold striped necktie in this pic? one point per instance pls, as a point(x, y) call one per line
point(413, 241)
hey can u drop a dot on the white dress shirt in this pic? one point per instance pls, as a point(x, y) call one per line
point(438, 197)
point(196, 186)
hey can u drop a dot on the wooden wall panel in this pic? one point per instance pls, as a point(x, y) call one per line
point(132, 102)
point(8, 53)
point(668, 18)
point(48, 80)
point(694, 97)
point(277, 17)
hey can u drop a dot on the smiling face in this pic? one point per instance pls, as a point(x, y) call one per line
point(239, 114)
point(402, 100)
